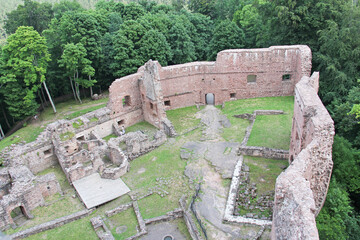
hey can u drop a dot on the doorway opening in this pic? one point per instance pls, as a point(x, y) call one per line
point(210, 99)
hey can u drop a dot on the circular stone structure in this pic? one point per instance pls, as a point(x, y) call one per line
point(168, 237)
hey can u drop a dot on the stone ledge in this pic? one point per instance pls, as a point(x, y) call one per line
point(264, 152)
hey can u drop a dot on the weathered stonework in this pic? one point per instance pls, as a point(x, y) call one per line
point(147, 94)
point(300, 191)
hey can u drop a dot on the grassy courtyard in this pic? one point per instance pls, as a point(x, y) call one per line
point(161, 171)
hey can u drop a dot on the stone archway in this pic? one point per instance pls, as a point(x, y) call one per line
point(210, 99)
point(19, 214)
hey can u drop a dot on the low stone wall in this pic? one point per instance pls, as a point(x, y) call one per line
point(264, 152)
point(118, 209)
point(190, 224)
point(231, 201)
point(177, 213)
point(50, 225)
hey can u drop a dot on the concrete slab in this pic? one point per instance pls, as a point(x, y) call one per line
point(94, 190)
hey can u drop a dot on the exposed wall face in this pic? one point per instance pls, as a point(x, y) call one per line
point(236, 74)
point(125, 99)
point(301, 190)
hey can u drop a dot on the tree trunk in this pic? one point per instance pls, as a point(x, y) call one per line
point(1, 133)
point(42, 92)
point(6, 120)
point(72, 88)
point(41, 100)
point(49, 96)
point(77, 87)
point(91, 90)
point(78, 92)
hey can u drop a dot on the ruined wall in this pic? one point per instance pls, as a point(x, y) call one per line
point(273, 71)
point(301, 190)
point(227, 78)
point(125, 100)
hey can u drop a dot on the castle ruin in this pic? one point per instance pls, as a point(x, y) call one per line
point(146, 95)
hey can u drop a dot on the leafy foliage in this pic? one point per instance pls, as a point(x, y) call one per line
point(25, 60)
point(227, 35)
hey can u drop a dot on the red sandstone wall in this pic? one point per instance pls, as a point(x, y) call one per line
point(187, 84)
point(301, 190)
point(126, 86)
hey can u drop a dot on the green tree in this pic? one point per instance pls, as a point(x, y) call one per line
point(206, 7)
point(226, 35)
point(66, 6)
point(182, 47)
point(25, 59)
point(77, 65)
point(37, 15)
point(133, 11)
point(249, 19)
point(154, 46)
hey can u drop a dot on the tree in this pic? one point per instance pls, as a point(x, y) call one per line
point(206, 7)
point(25, 60)
point(249, 19)
point(133, 11)
point(182, 47)
point(76, 64)
point(154, 46)
point(66, 6)
point(337, 219)
point(203, 28)
point(225, 36)
point(37, 15)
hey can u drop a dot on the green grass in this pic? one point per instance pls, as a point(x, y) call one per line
point(69, 109)
point(66, 136)
point(79, 229)
point(60, 206)
point(264, 172)
point(149, 206)
point(183, 119)
point(94, 119)
point(265, 126)
point(146, 127)
point(108, 137)
point(64, 109)
point(84, 111)
point(27, 134)
point(273, 131)
point(126, 218)
point(60, 176)
point(78, 123)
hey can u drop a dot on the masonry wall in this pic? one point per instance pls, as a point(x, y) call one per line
point(125, 100)
point(227, 78)
point(300, 191)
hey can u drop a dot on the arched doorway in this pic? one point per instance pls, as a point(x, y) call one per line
point(19, 215)
point(210, 98)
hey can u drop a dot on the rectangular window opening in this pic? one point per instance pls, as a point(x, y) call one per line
point(251, 78)
point(121, 122)
point(81, 138)
point(167, 103)
point(47, 152)
point(286, 77)
point(126, 101)
point(151, 106)
point(232, 95)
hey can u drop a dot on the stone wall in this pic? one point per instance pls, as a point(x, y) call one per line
point(271, 71)
point(301, 190)
point(227, 78)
